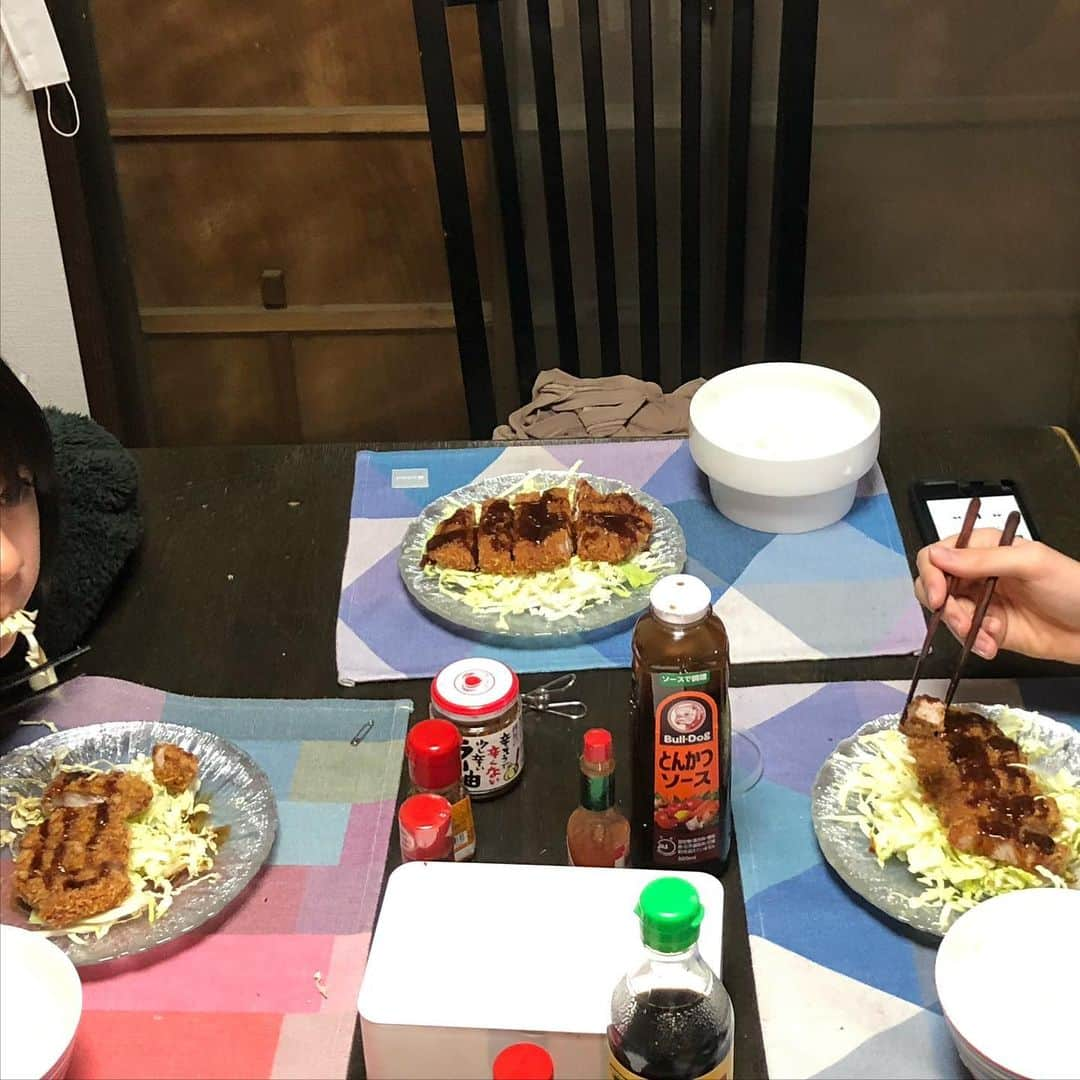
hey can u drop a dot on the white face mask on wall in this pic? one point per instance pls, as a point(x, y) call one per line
point(31, 41)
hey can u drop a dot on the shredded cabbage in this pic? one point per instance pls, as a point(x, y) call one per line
point(551, 594)
point(890, 810)
point(24, 622)
point(170, 838)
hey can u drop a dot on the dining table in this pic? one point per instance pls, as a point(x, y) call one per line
point(233, 593)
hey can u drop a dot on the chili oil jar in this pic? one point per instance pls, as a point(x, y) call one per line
point(483, 698)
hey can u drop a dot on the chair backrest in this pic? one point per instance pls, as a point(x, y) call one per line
point(437, 70)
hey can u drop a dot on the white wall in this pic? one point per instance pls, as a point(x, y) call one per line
point(37, 335)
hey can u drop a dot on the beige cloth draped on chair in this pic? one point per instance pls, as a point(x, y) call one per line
point(565, 406)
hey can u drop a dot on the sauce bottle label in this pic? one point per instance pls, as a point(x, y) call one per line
point(618, 864)
point(490, 762)
point(688, 765)
point(463, 828)
point(618, 1071)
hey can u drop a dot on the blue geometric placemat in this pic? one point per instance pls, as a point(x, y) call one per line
point(840, 591)
point(843, 990)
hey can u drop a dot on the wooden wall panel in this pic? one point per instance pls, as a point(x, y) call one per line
point(380, 386)
point(205, 53)
point(213, 390)
point(944, 209)
point(957, 372)
point(351, 220)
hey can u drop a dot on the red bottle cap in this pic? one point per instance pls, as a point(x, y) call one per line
point(597, 745)
point(433, 748)
point(523, 1061)
point(424, 829)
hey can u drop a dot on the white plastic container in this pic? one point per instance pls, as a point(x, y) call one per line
point(784, 445)
point(40, 1006)
point(469, 958)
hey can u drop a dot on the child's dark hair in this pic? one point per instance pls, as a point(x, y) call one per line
point(26, 443)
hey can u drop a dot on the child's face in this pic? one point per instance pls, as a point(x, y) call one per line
point(20, 548)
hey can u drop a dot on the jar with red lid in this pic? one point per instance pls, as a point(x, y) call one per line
point(424, 829)
point(433, 751)
point(482, 698)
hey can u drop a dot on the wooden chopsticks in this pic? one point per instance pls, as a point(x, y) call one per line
point(962, 539)
point(1008, 534)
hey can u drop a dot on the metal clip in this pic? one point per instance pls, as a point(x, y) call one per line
point(540, 699)
point(365, 730)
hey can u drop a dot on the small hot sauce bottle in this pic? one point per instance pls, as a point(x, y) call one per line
point(597, 834)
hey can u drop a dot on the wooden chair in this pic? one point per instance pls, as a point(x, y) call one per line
point(436, 66)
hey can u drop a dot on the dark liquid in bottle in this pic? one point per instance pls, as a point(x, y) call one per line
point(671, 1035)
point(681, 788)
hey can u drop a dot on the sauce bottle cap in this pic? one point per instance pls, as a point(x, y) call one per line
point(680, 599)
point(670, 912)
point(424, 829)
point(433, 748)
point(523, 1061)
point(597, 745)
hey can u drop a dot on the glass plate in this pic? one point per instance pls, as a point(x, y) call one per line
point(892, 887)
point(597, 619)
point(237, 790)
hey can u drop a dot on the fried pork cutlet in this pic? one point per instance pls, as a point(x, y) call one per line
point(543, 531)
point(175, 768)
point(976, 779)
point(453, 544)
point(609, 528)
point(495, 537)
point(124, 792)
point(74, 865)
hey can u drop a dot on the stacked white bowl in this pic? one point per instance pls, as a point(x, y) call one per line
point(784, 445)
point(1008, 978)
point(41, 1006)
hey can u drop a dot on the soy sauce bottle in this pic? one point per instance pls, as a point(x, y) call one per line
point(681, 722)
point(671, 1018)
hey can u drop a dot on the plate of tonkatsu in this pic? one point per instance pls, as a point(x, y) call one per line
point(930, 813)
point(540, 556)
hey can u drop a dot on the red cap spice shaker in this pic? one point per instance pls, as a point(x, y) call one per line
point(523, 1061)
point(433, 749)
point(424, 829)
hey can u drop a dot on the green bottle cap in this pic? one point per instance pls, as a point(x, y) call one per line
point(670, 912)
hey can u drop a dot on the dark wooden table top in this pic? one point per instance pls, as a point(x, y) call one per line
point(234, 593)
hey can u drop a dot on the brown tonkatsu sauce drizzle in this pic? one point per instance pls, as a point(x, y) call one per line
point(1006, 812)
point(66, 817)
point(624, 525)
point(537, 522)
point(497, 524)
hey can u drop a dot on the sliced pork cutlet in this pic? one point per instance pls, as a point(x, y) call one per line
point(609, 528)
point(495, 537)
point(453, 544)
point(123, 791)
point(977, 780)
point(543, 531)
point(75, 864)
point(174, 767)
